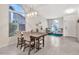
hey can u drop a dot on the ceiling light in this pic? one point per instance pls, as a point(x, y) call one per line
point(69, 11)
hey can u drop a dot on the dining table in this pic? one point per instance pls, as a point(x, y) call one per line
point(39, 36)
point(36, 36)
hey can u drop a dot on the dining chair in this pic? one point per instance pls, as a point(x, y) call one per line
point(39, 42)
point(29, 42)
point(20, 39)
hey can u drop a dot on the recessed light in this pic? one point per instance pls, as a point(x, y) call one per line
point(69, 11)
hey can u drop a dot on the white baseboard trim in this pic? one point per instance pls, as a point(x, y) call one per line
point(70, 36)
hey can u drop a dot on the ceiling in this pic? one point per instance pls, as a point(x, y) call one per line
point(50, 10)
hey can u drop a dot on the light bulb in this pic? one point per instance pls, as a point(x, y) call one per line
point(35, 13)
point(32, 13)
point(28, 15)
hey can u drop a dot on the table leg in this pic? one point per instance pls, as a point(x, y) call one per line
point(38, 44)
point(43, 41)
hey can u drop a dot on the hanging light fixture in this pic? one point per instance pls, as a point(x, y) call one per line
point(31, 13)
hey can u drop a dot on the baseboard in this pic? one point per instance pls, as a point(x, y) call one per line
point(71, 36)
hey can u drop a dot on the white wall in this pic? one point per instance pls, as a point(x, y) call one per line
point(4, 39)
point(32, 21)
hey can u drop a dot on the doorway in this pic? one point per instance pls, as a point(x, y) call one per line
point(56, 26)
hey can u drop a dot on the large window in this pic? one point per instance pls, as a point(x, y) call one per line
point(16, 19)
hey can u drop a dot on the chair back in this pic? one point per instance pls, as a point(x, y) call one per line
point(26, 36)
point(18, 34)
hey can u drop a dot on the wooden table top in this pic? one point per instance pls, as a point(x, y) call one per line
point(35, 34)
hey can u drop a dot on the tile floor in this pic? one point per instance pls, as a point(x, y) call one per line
point(53, 46)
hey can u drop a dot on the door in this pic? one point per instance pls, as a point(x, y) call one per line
point(78, 30)
point(70, 25)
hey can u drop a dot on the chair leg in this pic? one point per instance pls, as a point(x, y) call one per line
point(17, 45)
point(29, 51)
point(21, 46)
point(29, 48)
point(24, 48)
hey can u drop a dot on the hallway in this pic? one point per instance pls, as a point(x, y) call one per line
point(53, 46)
